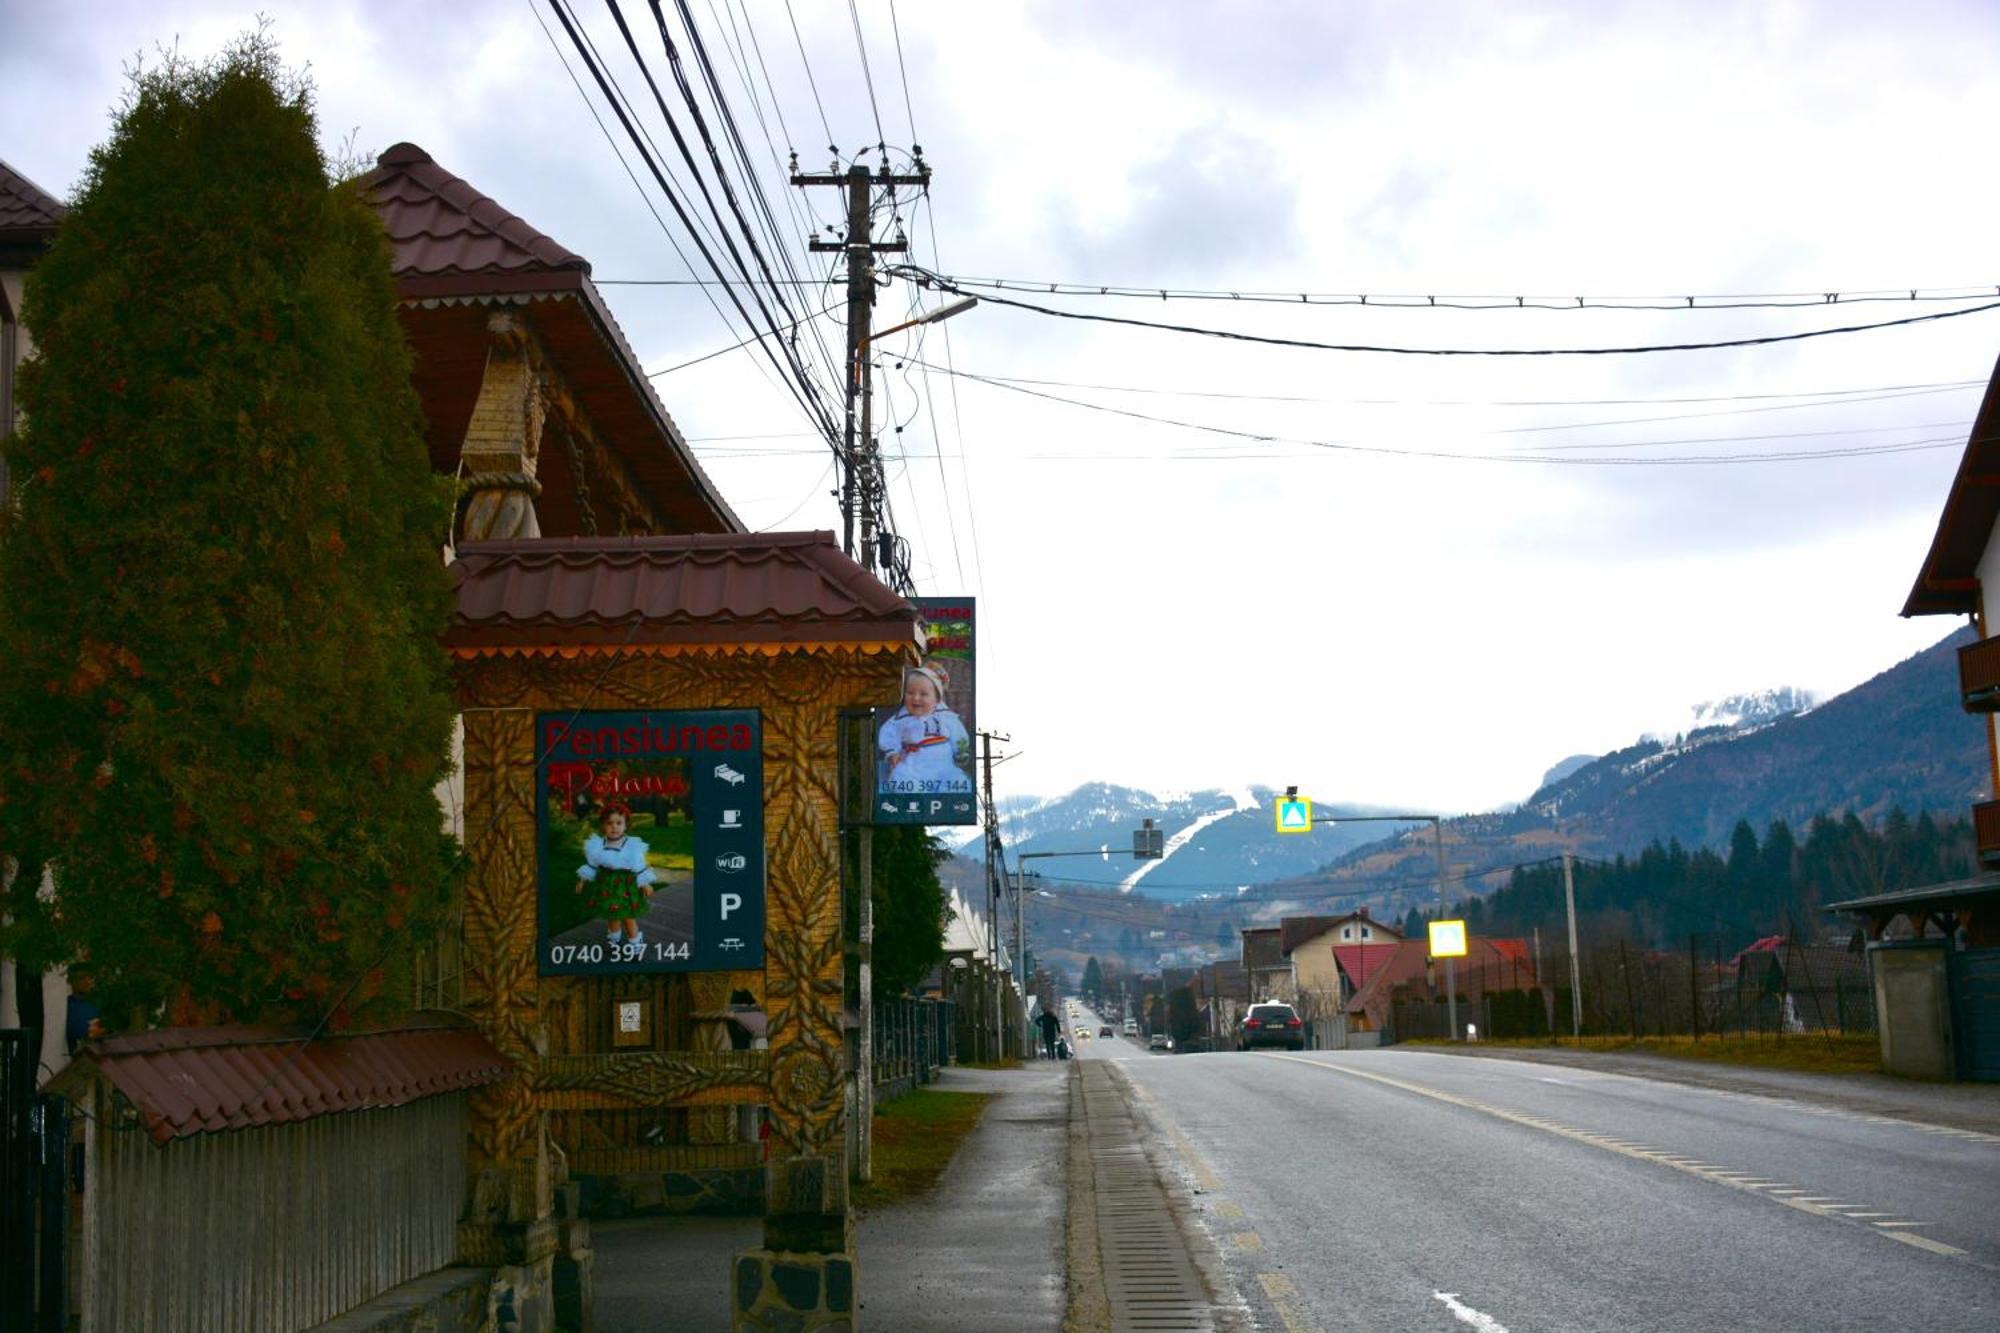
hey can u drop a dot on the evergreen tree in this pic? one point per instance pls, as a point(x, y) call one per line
point(1093, 979)
point(221, 599)
point(912, 908)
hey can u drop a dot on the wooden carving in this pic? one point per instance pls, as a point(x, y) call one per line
point(800, 695)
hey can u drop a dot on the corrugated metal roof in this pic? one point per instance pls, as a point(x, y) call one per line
point(1948, 894)
point(186, 1081)
point(26, 206)
point(787, 588)
point(440, 226)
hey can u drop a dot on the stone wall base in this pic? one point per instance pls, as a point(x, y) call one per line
point(776, 1292)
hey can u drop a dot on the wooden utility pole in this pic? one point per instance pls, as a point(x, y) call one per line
point(1575, 969)
point(861, 491)
point(861, 483)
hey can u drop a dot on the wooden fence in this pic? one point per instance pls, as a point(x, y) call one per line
point(274, 1227)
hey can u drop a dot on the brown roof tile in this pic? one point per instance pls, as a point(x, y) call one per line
point(440, 226)
point(706, 589)
point(187, 1081)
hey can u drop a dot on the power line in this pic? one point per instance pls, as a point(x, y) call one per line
point(1886, 390)
point(1412, 301)
point(903, 76)
point(800, 387)
point(1547, 458)
point(867, 74)
point(927, 278)
point(811, 82)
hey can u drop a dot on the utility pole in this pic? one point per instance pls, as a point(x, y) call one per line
point(861, 488)
point(993, 856)
point(1575, 970)
point(1450, 963)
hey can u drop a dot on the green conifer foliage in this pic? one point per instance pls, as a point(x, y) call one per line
point(226, 705)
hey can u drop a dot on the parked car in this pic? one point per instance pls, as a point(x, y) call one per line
point(1106, 1031)
point(1271, 1025)
point(1160, 1041)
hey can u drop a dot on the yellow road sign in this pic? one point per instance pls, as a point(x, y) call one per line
point(1447, 939)
point(1294, 814)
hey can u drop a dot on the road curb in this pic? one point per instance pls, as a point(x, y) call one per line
point(1089, 1306)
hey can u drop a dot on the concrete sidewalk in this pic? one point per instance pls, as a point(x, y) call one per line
point(984, 1250)
point(1974, 1106)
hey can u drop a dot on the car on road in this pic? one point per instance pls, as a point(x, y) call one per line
point(1106, 1031)
point(1131, 1027)
point(1159, 1041)
point(1271, 1025)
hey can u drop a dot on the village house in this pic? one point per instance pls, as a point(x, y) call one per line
point(1934, 951)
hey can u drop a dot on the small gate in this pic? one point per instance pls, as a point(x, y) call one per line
point(1975, 1003)
point(34, 1194)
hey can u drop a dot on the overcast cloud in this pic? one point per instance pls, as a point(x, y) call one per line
point(1169, 608)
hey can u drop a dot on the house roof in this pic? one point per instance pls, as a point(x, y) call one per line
point(187, 1081)
point(1361, 962)
point(1948, 582)
point(28, 218)
point(456, 253)
point(440, 227)
point(782, 590)
point(1953, 893)
point(1297, 930)
point(25, 207)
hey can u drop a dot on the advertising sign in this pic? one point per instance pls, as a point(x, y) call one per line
point(650, 841)
point(923, 743)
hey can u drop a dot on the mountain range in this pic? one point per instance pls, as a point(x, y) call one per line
point(1899, 739)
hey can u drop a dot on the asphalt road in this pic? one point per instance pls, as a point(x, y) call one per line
point(1403, 1190)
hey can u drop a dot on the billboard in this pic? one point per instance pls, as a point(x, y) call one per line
point(649, 841)
point(924, 741)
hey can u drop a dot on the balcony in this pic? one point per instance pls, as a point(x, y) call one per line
point(1979, 676)
point(1986, 833)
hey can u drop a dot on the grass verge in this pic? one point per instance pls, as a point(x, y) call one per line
point(915, 1137)
point(1846, 1053)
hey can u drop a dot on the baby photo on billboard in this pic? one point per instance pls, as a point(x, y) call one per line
point(923, 744)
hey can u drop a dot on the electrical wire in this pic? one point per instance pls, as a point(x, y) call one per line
point(1411, 301)
point(800, 389)
point(903, 76)
point(867, 75)
point(1547, 458)
point(945, 284)
point(811, 82)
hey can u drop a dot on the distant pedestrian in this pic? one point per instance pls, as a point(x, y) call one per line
point(1050, 1026)
point(614, 863)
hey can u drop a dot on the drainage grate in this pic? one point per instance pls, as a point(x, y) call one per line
point(1149, 1276)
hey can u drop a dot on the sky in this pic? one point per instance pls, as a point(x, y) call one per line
point(1380, 588)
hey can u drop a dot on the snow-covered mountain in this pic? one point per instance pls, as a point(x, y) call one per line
point(1737, 712)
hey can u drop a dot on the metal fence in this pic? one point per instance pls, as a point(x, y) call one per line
point(913, 1040)
point(1776, 987)
point(34, 1194)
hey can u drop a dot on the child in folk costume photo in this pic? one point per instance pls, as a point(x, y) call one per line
point(923, 744)
point(614, 863)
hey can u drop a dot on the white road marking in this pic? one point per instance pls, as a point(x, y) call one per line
point(1815, 1205)
point(1485, 1323)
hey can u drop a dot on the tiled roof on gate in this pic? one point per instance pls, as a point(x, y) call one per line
point(25, 207)
point(780, 588)
point(441, 226)
point(186, 1081)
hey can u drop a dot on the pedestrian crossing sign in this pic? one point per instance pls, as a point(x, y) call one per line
point(1447, 939)
point(1295, 814)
